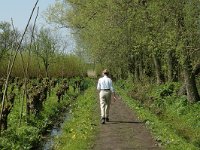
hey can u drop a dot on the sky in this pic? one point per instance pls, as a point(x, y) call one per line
point(20, 10)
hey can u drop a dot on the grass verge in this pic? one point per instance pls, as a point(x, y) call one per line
point(79, 131)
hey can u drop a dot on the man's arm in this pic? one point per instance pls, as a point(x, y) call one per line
point(98, 85)
point(112, 90)
point(114, 96)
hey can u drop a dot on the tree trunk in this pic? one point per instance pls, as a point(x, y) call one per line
point(196, 70)
point(158, 70)
point(136, 70)
point(172, 67)
point(190, 83)
point(189, 77)
point(141, 66)
point(46, 66)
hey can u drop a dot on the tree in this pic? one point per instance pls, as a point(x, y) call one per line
point(45, 48)
point(7, 38)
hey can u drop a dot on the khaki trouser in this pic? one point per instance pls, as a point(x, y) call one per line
point(105, 100)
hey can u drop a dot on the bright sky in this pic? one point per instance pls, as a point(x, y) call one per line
point(20, 10)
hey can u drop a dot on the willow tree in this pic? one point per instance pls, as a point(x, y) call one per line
point(187, 25)
point(6, 38)
point(45, 48)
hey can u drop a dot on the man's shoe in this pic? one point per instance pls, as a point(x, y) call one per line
point(107, 119)
point(102, 120)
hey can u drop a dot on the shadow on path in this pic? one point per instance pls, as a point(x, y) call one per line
point(124, 131)
point(116, 122)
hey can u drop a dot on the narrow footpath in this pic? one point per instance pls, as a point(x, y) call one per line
point(124, 131)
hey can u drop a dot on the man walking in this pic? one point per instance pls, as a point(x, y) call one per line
point(106, 89)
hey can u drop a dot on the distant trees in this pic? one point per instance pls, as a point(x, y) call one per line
point(40, 54)
point(7, 39)
point(45, 48)
point(156, 41)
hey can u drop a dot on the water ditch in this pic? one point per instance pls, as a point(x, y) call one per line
point(55, 129)
point(48, 138)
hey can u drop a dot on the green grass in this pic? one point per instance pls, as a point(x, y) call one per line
point(79, 131)
point(185, 119)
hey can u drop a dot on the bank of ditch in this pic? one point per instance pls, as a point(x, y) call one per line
point(55, 130)
point(80, 130)
point(59, 121)
point(30, 132)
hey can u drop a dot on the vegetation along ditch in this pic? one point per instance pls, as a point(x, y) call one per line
point(29, 120)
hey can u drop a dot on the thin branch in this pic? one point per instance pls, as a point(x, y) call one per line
point(32, 39)
point(12, 64)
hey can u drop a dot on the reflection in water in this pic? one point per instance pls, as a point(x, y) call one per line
point(56, 131)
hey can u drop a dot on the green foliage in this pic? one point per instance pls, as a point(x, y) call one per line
point(185, 119)
point(160, 94)
point(6, 39)
point(28, 135)
point(165, 90)
point(126, 84)
point(23, 137)
point(63, 66)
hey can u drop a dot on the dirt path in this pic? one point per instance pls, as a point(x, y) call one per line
point(124, 131)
